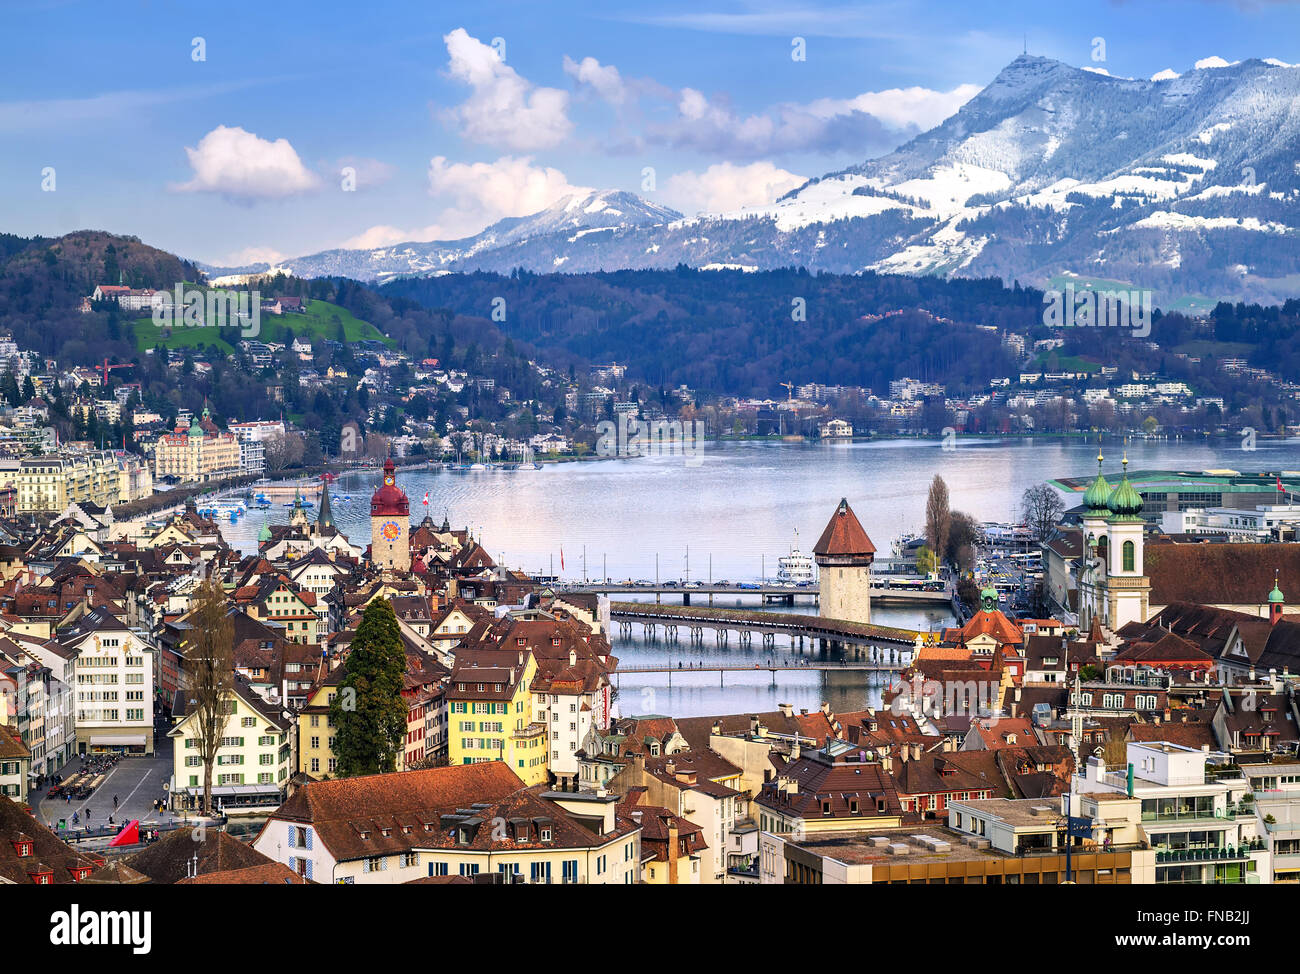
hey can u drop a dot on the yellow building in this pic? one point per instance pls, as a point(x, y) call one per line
point(490, 717)
point(198, 454)
point(253, 762)
point(316, 730)
point(52, 483)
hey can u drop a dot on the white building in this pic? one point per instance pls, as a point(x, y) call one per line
point(1197, 814)
point(253, 762)
point(114, 685)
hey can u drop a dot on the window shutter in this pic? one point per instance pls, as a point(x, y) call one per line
point(307, 834)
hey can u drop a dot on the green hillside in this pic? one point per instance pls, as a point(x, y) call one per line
point(320, 320)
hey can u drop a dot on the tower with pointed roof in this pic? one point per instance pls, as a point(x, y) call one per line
point(844, 555)
point(1276, 603)
point(390, 524)
point(324, 515)
point(1115, 589)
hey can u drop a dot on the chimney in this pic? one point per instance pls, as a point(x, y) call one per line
point(672, 850)
point(671, 767)
point(716, 728)
point(795, 751)
point(787, 710)
point(886, 763)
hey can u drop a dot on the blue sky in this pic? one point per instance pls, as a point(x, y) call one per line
point(244, 154)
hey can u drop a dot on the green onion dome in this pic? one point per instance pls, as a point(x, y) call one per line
point(1098, 492)
point(1125, 502)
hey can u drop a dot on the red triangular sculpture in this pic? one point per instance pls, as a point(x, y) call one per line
point(130, 834)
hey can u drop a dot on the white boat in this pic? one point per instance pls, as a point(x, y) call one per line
point(796, 566)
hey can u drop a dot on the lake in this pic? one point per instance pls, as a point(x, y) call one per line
point(733, 515)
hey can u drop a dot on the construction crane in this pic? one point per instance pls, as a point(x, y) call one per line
point(105, 368)
point(789, 390)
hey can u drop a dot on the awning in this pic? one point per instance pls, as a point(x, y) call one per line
point(123, 740)
point(236, 791)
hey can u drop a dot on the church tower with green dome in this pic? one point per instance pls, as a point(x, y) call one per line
point(1095, 511)
point(1276, 603)
point(1128, 590)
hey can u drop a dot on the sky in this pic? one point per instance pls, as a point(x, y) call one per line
point(232, 132)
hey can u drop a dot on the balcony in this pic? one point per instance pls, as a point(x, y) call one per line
point(1173, 857)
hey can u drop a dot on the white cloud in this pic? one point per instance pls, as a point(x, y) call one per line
point(869, 122)
point(724, 187)
point(483, 192)
point(503, 109)
point(900, 108)
point(489, 191)
point(251, 255)
point(603, 79)
point(238, 164)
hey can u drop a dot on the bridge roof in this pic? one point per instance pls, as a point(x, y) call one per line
point(844, 534)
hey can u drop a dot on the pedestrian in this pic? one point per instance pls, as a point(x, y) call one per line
point(115, 801)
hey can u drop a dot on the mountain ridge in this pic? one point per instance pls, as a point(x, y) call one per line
point(1183, 185)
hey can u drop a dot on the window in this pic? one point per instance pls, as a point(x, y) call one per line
point(1129, 556)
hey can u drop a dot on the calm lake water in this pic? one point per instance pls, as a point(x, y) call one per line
point(733, 515)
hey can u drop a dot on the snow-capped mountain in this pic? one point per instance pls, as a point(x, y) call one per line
point(570, 222)
point(1187, 184)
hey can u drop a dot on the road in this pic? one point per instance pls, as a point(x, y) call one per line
point(136, 781)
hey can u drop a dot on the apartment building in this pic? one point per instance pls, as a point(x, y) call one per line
point(1197, 812)
point(114, 685)
point(254, 760)
point(51, 483)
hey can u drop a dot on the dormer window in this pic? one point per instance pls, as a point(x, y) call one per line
point(546, 834)
point(23, 846)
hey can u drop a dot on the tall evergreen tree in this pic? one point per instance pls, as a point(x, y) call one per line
point(368, 712)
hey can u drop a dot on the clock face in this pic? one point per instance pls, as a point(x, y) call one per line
point(390, 530)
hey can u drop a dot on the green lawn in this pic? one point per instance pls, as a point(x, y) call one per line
point(1067, 363)
point(320, 320)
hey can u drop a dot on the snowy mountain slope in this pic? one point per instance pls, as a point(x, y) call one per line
point(1187, 184)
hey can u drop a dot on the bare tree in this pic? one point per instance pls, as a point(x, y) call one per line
point(938, 517)
point(963, 535)
point(283, 451)
point(210, 665)
point(1041, 507)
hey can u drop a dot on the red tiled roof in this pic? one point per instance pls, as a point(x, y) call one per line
point(844, 534)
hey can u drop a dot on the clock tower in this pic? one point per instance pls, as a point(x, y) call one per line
point(390, 524)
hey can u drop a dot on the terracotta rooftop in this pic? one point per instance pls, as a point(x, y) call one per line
point(844, 534)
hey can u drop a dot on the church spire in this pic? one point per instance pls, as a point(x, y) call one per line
point(325, 517)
